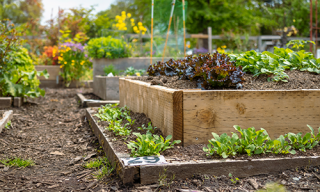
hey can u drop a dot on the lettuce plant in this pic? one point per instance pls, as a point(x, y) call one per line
point(148, 144)
point(216, 70)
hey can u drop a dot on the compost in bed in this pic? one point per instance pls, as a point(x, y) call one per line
point(297, 80)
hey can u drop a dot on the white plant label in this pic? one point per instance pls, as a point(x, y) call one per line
point(148, 160)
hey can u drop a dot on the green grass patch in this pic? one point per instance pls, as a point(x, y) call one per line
point(17, 162)
point(102, 164)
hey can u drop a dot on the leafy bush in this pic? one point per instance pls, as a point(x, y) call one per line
point(276, 63)
point(257, 142)
point(148, 144)
point(216, 70)
point(107, 47)
point(18, 77)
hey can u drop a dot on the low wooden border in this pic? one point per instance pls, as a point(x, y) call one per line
point(6, 102)
point(148, 174)
point(92, 103)
point(127, 174)
point(6, 117)
point(192, 115)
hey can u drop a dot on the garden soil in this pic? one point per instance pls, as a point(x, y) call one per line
point(53, 132)
point(297, 80)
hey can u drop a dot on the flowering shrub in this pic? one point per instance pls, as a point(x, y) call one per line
point(50, 55)
point(122, 23)
point(74, 61)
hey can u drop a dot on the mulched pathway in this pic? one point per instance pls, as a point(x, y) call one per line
point(54, 133)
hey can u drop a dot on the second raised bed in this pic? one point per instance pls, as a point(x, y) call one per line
point(192, 115)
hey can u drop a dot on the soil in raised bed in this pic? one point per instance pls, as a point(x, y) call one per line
point(297, 80)
point(180, 153)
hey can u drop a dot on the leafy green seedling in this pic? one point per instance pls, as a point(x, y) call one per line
point(148, 144)
point(149, 128)
point(233, 180)
point(8, 124)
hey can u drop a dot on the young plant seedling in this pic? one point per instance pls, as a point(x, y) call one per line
point(8, 125)
point(232, 179)
point(149, 128)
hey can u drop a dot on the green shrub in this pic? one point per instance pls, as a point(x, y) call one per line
point(107, 47)
point(110, 69)
point(18, 77)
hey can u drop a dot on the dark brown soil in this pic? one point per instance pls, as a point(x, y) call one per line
point(53, 132)
point(297, 80)
point(91, 96)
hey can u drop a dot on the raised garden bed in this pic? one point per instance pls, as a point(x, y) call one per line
point(191, 115)
point(5, 117)
point(88, 102)
point(182, 169)
point(107, 88)
point(6, 102)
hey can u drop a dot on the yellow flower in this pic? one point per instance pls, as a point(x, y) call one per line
point(123, 13)
point(128, 15)
point(72, 64)
point(139, 23)
point(72, 61)
point(65, 62)
point(61, 54)
point(143, 33)
point(132, 20)
point(61, 66)
point(138, 74)
point(135, 28)
point(125, 28)
point(223, 47)
point(60, 58)
point(118, 17)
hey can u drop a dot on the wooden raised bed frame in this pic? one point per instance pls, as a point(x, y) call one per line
point(192, 115)
point(148, 174)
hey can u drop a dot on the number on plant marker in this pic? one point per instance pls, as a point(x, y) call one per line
point(148, 160)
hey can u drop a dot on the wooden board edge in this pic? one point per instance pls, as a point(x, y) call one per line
point(240, 90)
point(128, 174)
point(6, 118)
point(238, 168)
point(82, 99)
point(6, 102)
point(178, 116)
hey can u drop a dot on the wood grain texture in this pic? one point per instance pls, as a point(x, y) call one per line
point(178, 114)
point(127, 174)
point(156, 102)
point(5, 102)
point(238, 168)
point(278, 112)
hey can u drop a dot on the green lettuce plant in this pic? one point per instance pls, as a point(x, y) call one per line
point(107, 47)
point(276, 63)
point(148, 144)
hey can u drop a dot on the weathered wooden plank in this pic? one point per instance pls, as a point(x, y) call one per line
point(127, 174)
point(5, 102)
point(17, 101)
point(278, 112)
point(178, 116)
point(6, 116)
point(238, 168)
